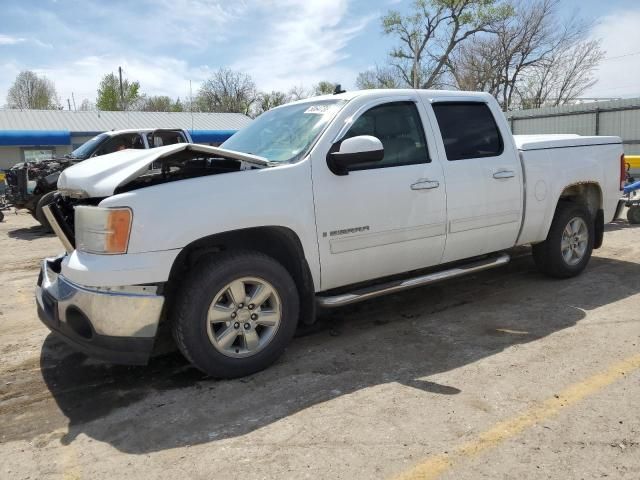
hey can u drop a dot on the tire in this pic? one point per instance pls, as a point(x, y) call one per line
point(548, 255)
point(1, 216)
point(207, 293)
point(46, 199)
point(633, 214)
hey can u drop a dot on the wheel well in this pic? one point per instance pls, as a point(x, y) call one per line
point(280, 243)
point(589, 194)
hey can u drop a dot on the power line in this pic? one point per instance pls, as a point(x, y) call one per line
point(621, 56)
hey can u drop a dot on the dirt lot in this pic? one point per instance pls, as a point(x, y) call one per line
point(506, 374)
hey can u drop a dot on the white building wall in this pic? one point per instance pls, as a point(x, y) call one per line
point(9, 156)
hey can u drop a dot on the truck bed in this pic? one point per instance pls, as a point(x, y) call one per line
point(542, 142)
point(574, 160)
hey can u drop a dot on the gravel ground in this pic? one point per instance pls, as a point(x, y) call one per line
point(504, 374)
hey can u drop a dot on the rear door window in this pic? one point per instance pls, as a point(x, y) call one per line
point(468, 130)
point(168, 137)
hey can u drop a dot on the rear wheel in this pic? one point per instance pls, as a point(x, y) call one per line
point(235, 314)
point(567, 249)
point(633, 214)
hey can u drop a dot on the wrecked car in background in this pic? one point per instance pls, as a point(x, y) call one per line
point(31, 184)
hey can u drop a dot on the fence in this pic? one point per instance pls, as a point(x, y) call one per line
point(615, 117)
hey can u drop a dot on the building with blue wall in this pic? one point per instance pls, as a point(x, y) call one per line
point(35, 134)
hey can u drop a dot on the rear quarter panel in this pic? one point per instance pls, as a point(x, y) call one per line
point(549, 171)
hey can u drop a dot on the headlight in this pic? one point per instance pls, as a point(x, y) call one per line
point(102, 230)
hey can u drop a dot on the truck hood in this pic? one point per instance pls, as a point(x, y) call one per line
point(101, 176)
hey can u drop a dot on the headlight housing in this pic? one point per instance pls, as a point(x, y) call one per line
point(103, 230)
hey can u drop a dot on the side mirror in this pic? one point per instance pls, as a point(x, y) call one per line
point(354, 151)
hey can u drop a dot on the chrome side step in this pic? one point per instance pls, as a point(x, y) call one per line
point(399, 285)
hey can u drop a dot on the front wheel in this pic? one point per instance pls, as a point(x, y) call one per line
point(633, 214)
point(39, 215)
point(235, 314)
point(567, 249)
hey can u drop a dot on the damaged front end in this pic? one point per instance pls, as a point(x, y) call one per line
point(90, 182)
point(134, 169)
point(27, 182)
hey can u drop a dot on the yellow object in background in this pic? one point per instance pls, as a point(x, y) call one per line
point(2, 175)
point(633, 161)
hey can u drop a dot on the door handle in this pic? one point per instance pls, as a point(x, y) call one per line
point(504, 174)
point(424, 184)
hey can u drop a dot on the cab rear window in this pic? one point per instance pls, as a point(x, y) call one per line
point(468, 130)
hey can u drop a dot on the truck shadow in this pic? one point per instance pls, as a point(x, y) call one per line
point(403, 338)
point(30, 233)
point(620, 225)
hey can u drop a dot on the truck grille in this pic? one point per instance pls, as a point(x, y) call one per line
point(63, 214)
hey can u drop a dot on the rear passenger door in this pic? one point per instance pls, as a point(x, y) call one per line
point(483, 179)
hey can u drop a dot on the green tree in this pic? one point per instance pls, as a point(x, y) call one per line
point(110, 99)
point(177, 106)
point(433, 30)
point(160, 103)
point(29, 91)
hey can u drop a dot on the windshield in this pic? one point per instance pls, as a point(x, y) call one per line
point(285, 133)
point(88, 147)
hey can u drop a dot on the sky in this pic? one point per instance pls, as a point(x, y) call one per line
point(165, 44)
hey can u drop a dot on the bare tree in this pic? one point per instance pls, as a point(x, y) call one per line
point(29, 91)
point(87, 106)
point(227, 91)
point(530, 57)
point(434, 29)
point(269, 100)
point(298, 92)
point(475, 67)
point(380, 77)
point(564, 77)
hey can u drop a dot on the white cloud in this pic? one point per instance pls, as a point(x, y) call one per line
point(297, 42)
point(10, 40)
point(618, 77)
point(157, 76)
point(302, 44)
point(193, 23)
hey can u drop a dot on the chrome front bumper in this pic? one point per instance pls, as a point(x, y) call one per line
point(116, 324)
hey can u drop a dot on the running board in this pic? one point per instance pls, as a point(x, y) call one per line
point(399, 285)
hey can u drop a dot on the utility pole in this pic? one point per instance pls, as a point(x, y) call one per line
point(121, 91)
point(191, 104)
point(73, 99)
point(69, 103)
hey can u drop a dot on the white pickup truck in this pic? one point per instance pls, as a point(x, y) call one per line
point(322, 202)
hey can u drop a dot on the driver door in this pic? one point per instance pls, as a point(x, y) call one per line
point(384, 217)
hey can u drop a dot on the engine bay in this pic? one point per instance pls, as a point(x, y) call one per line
point(184, 165)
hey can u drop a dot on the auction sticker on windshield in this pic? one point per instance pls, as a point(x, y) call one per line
point(320, 109)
